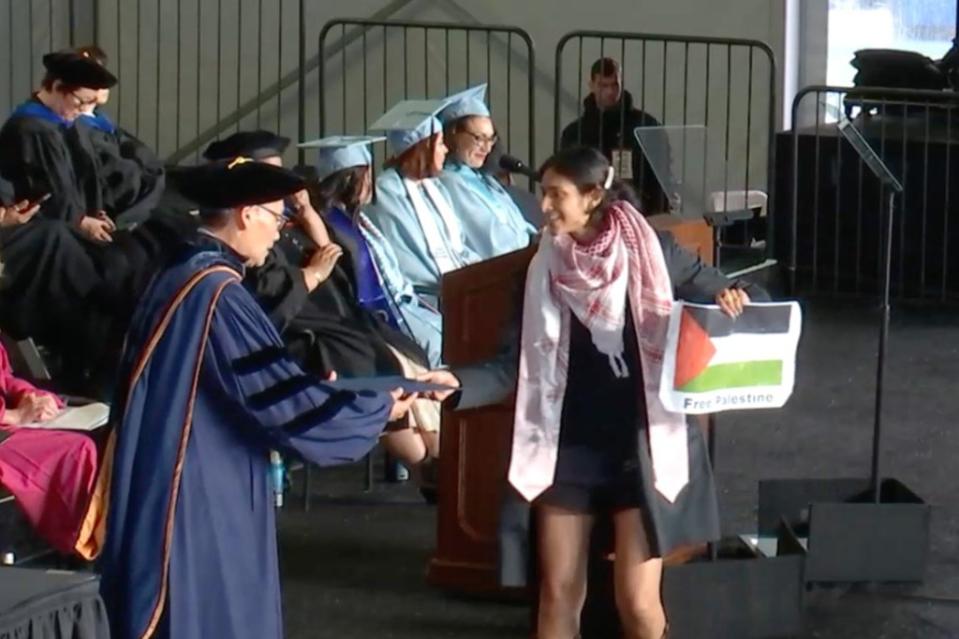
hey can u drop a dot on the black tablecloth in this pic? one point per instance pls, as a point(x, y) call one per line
point(42, 604)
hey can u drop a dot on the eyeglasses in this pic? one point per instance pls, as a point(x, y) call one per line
point(80, 103)
point(278, 217)
point(482, 140)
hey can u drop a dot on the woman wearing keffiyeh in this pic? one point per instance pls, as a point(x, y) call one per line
point(591, 438)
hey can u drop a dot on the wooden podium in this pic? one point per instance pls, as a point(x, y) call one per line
point(478, 301)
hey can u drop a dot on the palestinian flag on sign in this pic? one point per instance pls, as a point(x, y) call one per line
point(716, 351)
point(713, 357)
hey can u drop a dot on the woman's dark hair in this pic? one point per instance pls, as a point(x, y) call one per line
point(416, 162)
point(588, 169)
point(344, 187)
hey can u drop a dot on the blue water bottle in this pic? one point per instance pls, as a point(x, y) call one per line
point(277, 472)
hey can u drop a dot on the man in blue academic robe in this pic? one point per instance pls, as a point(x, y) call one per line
point(206, 390)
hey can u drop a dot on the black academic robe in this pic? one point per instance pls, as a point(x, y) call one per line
point(131, 177)
point(41, 155)
point(66, 291)
point(326, 329)
point(47, 272)
point(75, 296)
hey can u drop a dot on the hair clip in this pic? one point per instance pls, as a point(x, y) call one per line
point(609, 178)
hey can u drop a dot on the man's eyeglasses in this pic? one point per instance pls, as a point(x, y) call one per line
point(482, 140)
point(80, 103)
point(280, 218)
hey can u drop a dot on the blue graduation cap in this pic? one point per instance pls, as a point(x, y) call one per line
point(470, 102)
point(410, 122)
point(341, 152)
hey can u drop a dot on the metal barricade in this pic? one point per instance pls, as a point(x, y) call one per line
point(833, 233)
point(372, 64)
point(191, 71)
point(726, 85)
point(28, 30)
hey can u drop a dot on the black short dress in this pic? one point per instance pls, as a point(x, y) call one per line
point(597, 468)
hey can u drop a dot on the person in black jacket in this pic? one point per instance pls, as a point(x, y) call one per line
point(607, 124)
point(602, 456)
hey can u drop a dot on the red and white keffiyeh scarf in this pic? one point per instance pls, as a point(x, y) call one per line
point(592, 281)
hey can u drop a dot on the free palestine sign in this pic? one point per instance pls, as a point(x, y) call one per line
point(714, 362)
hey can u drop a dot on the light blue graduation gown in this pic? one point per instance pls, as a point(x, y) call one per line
point(394, 215)
point(492, 223)
point(417, 319)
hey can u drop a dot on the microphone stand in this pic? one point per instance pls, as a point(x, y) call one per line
point(883, 339)
point(717, 220)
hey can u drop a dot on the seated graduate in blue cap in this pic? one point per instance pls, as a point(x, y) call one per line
point(413, 209)
point(345, 177)
point(492, 223)
point(317, 287)
point(406, 332)
point(302, 285)
point(206, 389)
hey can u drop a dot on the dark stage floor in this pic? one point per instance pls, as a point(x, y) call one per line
point(354, 568)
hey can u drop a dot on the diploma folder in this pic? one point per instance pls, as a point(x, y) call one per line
point(386, 384)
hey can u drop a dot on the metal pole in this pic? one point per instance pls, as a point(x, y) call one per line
point(301, 76)
point(712, 547)
point(883, 338)
point(955, 39)
point(72, 25)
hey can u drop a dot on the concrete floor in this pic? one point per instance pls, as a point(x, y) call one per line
point(355, 566)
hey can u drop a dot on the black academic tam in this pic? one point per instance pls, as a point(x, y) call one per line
point(240, 182)
point(78, 70)
point(251, 144)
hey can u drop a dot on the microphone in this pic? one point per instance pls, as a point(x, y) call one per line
point(514, 165)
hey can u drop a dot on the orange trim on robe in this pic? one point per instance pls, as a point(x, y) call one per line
point(93, 528)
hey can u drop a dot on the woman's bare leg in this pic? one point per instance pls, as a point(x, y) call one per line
point(431, 439)
point(563, 550)
point(637, 577)
point(405, 445)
